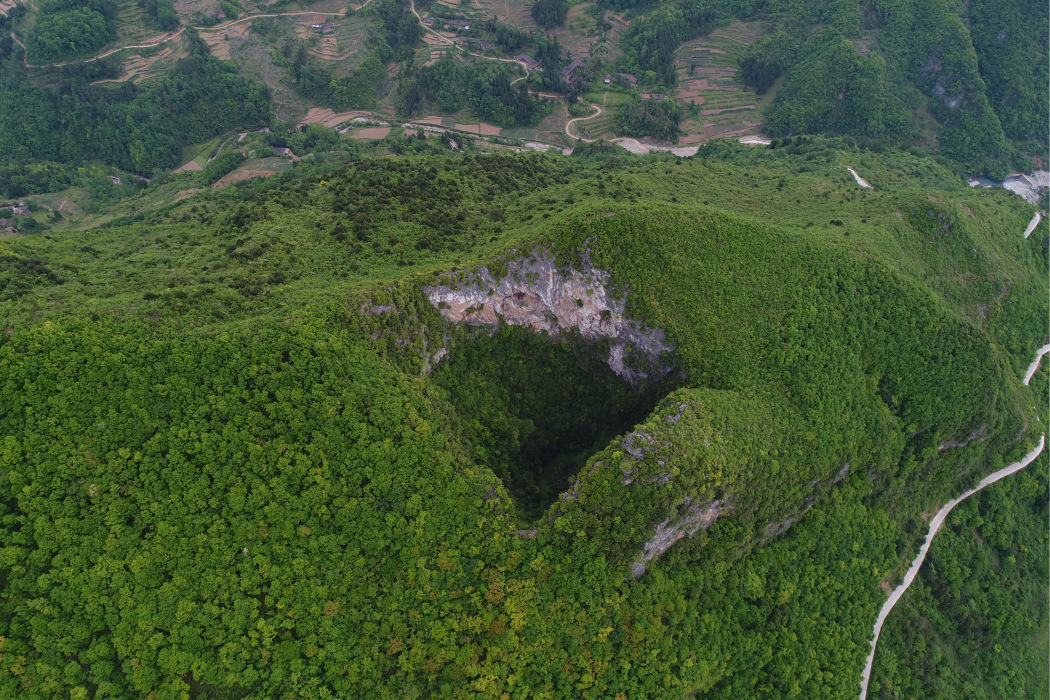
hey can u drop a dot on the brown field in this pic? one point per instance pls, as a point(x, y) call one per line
point(219, 42)
point(183, 194)
point(189, 167)
point(371, 132)
point(137, 68)
point(6, 6)
point(326, 117)
point(431, 121)
point(254, 167)
point(514, 12)
point(238, 175)
point(481, 129)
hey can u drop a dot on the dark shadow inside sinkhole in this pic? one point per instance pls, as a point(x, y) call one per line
point(534, 409)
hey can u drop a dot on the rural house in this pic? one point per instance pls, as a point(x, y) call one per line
point(567, 72)
point(217, 14)
point(458, 24)
point(529, 61)
point(631, 80)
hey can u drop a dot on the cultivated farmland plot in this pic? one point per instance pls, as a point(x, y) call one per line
point(708, 77)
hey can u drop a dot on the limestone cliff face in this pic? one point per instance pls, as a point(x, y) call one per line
point(536, 294)
point(692, 518)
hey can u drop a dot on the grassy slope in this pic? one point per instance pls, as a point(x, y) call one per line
point(791, 328)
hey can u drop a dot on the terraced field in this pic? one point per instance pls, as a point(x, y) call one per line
point(516, 13)
point(142, 65)
point(708, 78)
point(603, 125)
point(346, 45)
point(435, 49)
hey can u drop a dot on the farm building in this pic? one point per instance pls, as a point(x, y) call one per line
point(567, 72)
point(529, 61)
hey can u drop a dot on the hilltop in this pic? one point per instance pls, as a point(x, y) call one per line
point(424, 422)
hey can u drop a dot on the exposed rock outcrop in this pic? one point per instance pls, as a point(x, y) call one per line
point(697, 516)
point(980, 434)
point(536, 294)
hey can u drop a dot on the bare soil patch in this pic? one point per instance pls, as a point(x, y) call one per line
point(326, 117)
point(189, 167)
point(482, 129)
point(238, 175)
point(372, 132)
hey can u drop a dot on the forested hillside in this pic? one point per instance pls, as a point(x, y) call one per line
point(963, 81)
point(968, 81)
point(246, 453)
point(136, 129)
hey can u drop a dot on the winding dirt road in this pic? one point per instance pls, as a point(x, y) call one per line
point(935, 525)
point(583, 119)
point(1035, 363)
point(1033, 223)
point(938, 519)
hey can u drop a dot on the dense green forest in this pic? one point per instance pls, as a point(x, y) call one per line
point(234, 461)
point(656, 118)
point(68, 29)
point(483, 88)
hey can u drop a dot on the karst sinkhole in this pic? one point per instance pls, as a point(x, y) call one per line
point(534, 409)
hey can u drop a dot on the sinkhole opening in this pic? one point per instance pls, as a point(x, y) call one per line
point(534, 409)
